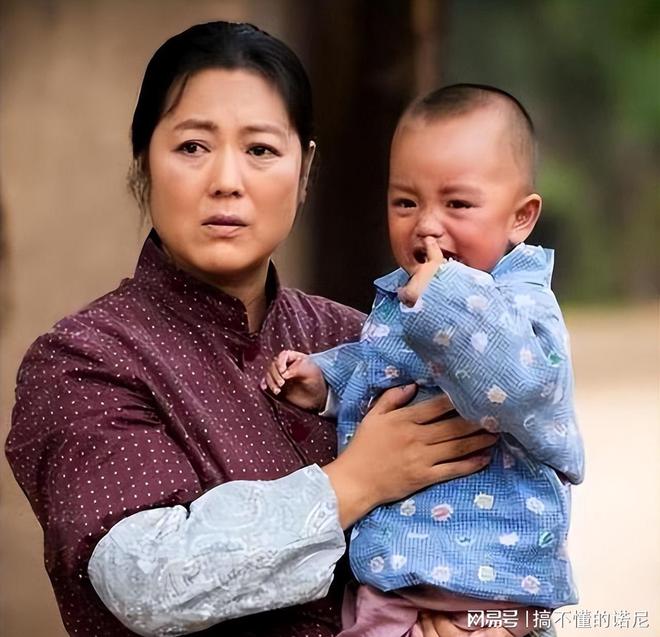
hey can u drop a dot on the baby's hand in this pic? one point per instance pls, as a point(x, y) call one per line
point(293, 376)
point(412, 290)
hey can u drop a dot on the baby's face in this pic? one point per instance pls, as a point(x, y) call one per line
point(455, 180)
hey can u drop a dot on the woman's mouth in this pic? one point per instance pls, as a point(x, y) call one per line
point(223, 225)
point(223, 220)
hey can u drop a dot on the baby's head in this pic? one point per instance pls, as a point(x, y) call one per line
point(462, 171)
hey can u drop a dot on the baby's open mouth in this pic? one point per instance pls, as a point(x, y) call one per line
point(419, 254)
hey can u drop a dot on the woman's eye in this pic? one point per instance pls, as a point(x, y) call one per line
point(404, 203)
point(458, 203)
point(191, 148)
point(259, 150)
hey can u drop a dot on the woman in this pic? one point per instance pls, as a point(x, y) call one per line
point(174, 494)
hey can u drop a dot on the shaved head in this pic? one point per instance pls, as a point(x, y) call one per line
point(462, 99)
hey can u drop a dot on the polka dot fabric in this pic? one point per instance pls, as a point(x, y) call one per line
point(149, 397)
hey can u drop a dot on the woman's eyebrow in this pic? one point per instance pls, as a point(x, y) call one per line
point(198, 124)
point(212, 127)
point(265, 128)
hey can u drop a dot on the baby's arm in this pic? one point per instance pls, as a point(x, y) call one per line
point(304, 380)
point(499, 349)
point(338, 364)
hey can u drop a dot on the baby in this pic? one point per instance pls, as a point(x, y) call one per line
point(469, 312)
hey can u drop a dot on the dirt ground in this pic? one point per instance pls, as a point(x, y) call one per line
point(616, 519)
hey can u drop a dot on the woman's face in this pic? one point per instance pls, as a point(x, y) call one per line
point(225, 171)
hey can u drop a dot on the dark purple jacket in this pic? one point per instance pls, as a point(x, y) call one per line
point(150, 396)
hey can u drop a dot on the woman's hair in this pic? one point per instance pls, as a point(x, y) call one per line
point(214, 45)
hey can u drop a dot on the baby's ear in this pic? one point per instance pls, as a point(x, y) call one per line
point(525, 218)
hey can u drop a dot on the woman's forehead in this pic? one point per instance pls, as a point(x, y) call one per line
point(226, 96)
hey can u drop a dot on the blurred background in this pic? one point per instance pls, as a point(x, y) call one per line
point(587, 70)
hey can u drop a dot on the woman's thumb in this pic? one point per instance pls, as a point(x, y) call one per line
point(394, 398)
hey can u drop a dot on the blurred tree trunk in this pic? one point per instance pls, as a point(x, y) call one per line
point(367, 60)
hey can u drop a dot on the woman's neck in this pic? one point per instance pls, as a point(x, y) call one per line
point(249, 288)
point(253, 297)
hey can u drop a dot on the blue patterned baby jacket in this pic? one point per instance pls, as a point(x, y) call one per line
point(497, 345)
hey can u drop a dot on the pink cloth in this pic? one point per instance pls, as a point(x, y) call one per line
point(369, 612)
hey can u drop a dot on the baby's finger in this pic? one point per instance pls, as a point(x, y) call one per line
point(433, 251)
point(275, 374)
point(282, 360)
point(274, 371)
point(272, 385)
point(295, 361)
point(293, 370)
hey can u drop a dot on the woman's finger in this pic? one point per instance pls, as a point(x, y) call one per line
point(428, 411)
point(459, 447)
point(459, 468)
point(426, 627)
point(393, 399)
point(448, 430)
point(445, 628)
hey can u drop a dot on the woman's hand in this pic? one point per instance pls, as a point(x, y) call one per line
point(432, 624)
point(398, 450)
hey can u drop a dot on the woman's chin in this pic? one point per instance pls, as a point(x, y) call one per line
point(232, 269)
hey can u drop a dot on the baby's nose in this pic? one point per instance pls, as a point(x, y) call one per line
point(430, 224)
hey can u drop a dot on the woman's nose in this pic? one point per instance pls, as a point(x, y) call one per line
point(227, 178)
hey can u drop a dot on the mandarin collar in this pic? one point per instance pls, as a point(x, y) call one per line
point(533, 264)
point(391, 282)
point(525, 263)
point(186, 294)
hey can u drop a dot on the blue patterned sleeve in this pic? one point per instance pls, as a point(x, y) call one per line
point(243, 547)
point(338, 364)
point(498, 347)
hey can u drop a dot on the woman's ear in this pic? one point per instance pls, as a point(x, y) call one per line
point(305, 169)
point(525, 218)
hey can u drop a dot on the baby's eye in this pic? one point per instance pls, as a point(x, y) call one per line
point(259, 150)
point(459, 203)
point(404, 203)
point(191, 148)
